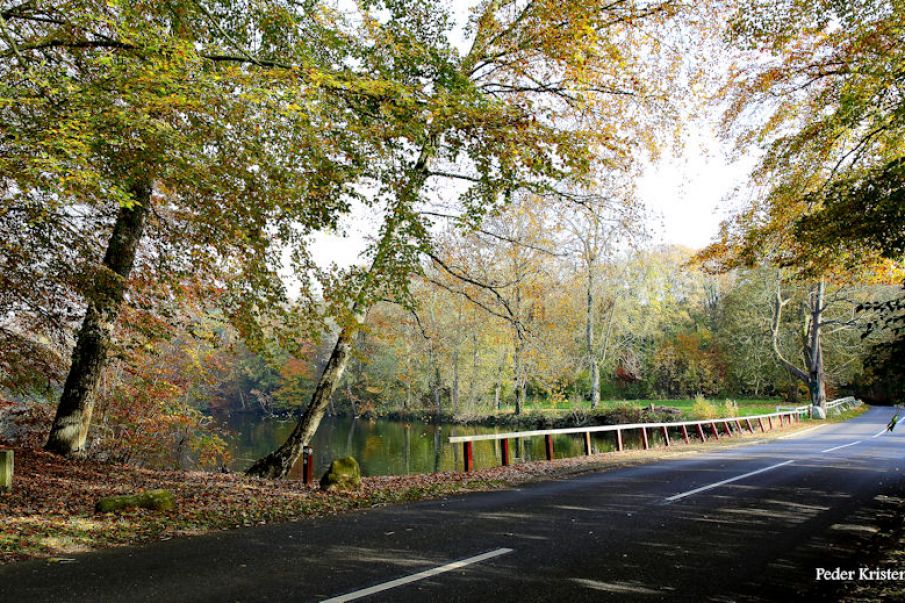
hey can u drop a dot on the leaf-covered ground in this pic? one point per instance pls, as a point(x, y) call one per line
point(50, 511)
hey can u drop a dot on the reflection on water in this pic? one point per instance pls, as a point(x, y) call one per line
point(384, 447)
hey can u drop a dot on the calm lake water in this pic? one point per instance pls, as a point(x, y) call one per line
point(385, 447)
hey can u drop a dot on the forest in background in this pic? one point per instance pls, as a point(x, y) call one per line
point(660, 328)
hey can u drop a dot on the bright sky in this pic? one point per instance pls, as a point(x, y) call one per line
point(686, 195)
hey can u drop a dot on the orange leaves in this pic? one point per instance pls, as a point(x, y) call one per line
point(297, 367)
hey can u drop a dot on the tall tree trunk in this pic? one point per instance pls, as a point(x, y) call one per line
point(278, 463)
point(436, 391)
point(434, 382)
point(813, 376)
point(473, 385)
point(816, 373)
point(407, 402)
point(517, 370)
point(589, 337)
point(70, 426)
point(498, 387)
point(595, 384)
point(454, 394)
point(517, 375)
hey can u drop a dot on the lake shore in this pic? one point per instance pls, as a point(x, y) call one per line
point(610, 412)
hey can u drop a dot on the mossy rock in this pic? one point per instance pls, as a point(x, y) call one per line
point(6, 470)
point(344, 474)
point(155, 500)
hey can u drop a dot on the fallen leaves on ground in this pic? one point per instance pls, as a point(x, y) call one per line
point(50, 511)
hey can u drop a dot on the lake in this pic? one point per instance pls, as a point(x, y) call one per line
point(385, 447)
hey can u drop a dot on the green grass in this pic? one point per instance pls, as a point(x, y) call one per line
point(746, 407)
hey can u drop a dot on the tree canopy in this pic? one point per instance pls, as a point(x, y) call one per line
point(818, 86)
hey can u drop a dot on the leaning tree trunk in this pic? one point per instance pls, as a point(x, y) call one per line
point(278, 463)
point(70, 427)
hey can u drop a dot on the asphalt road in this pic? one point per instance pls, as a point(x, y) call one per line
point(741, 524)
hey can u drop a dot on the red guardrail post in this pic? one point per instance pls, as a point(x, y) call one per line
point(307, 465)
point(713, 428)
point(760, 421)
point(644, 438)
point(701, 432)
point(770, 420)
point(504, 448)
point(748, 423)
point(727, 429)
point(587, 443)
point(738, 424)
point(468, 456)
point(685, 434)
point(619, 447)
point(665, 434)
point(548, 445)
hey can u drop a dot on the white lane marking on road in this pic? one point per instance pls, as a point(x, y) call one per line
point(879, 434)
point(726, 481)
point(840, 447)
point(419, 576)
point(798, 433)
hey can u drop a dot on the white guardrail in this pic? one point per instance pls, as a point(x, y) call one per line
point(784, 417)
point(838, 405)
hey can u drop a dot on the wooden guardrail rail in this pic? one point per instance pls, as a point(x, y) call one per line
point(699, 427)
point(806, 409)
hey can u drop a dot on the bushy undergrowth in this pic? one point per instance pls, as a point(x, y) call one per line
point(705, 409)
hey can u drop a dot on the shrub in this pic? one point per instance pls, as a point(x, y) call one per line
point(704, 409)
point(730, 408)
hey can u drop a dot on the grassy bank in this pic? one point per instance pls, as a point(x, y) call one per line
point(746, 407)
point(543, 414)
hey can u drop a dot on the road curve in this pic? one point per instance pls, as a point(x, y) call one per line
point(750, 523)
